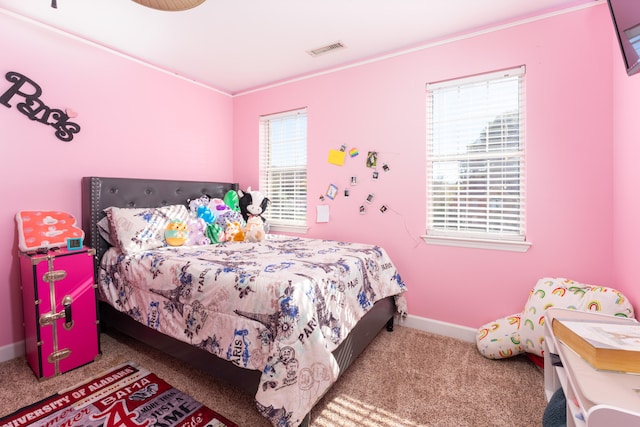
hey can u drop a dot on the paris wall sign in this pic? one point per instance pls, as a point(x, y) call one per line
point(27, 92)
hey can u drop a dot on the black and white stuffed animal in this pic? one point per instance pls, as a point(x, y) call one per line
point(252, 203)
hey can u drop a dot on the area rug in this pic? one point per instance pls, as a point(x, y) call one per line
point(126, 396)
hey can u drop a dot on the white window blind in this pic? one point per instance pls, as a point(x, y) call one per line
point(476, 158)
point(283, 168)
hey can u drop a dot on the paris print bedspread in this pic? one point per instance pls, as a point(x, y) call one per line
point(280, 306)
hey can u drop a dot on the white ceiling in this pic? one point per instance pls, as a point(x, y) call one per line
point(238, 45)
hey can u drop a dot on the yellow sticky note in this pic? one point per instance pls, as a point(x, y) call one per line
point(336, 157)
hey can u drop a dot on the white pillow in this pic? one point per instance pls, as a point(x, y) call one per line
point(139, 229)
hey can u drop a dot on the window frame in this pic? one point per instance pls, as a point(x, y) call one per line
point(276, 222)
point(463, 237)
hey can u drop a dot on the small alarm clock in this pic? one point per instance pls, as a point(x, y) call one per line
point(74, 243)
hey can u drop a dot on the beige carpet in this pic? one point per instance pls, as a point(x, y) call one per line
point(405, 378)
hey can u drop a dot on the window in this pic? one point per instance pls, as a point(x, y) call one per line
point(283, 169)
point(475, 161)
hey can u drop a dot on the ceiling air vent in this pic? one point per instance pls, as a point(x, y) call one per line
point(326, 49)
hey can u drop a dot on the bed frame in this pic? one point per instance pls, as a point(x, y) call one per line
point(99, 193)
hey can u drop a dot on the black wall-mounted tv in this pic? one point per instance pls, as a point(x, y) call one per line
point(626, 22)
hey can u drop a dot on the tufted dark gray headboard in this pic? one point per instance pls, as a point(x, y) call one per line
point(99, 193)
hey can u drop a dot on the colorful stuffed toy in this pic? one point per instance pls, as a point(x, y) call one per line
point(197, 232)
point(233, 232)
point(176, 233)
point(218, 205)
point(215, 214)
point(252, 203)
point(206, 214)
point(231, 200)
point(215, 233)
point(254, 230)
point(524, 332)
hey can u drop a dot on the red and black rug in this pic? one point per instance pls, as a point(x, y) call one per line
point(127, 396)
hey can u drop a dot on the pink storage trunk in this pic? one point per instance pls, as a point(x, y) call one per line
point(60, 312)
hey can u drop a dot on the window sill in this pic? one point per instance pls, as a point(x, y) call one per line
point(465, 242)
point(300, 229)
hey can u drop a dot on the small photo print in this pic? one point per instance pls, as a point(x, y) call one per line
point(346, 192)
point(375, 175)
point(370, 198)
point(383, 208)
point(385, 167)
point(354, 180)
point(332, 191)
point(372, 159)
point(363, 209)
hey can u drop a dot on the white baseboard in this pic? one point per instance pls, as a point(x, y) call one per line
point(11, 351)
point(463, 333)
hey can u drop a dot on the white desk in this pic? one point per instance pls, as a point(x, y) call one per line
point(594, 398)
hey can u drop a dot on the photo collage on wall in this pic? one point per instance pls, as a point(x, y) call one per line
point(376, 169)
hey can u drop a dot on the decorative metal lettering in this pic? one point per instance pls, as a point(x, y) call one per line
point(35, 109)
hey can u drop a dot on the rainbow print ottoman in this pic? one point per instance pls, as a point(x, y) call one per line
point(524, 332)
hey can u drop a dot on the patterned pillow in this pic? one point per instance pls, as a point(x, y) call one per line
point(139, 229)
point(105, 231)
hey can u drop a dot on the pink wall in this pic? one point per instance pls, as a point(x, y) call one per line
point(127, 110)
point(626, 177)
point(381, 107)
point(136, 121)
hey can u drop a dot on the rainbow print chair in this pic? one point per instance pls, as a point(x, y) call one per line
point(524, 332)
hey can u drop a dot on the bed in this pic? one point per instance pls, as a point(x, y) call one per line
point(281, 319)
